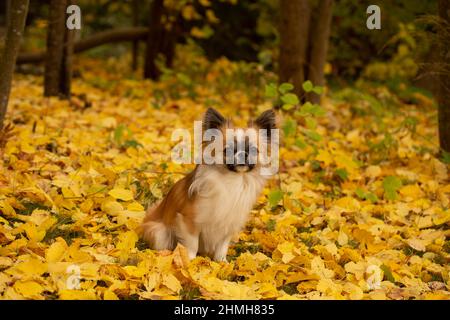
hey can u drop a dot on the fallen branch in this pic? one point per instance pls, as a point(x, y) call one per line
point(95, 40)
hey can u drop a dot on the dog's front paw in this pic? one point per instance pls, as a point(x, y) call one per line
point(220, 254)
point(220, 258)
point(192, 254)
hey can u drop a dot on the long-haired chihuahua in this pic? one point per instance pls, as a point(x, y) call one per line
point(205, 209)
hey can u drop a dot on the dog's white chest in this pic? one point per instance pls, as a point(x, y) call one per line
point(224, 200)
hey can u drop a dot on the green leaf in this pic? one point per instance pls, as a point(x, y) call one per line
point(360, 193)
point(300, 143)
point(207, 31)
point(376, 106)
point(342, 173)
point(445, 158)
point(287, 107)
point(265, 57)
point(271, 225)
point(285, 87)
point(306, 109)
point(307, 86)
point(132, 143)
point(365, 195)
point(289, 127)
point(391, 184)
point(274, 197)
point(271, 90)
point(315, 165)
point(164, 166)
point(318, 90)
point(313, 135)
point(411, 123)
point(184, 79)
point(311, 123)
point(290, 98)
point(387, 273)
point(371, 197)
point(318, 111)
point(118, 133)
point(311, 109)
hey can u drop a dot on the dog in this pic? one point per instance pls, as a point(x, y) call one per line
point(205, 209)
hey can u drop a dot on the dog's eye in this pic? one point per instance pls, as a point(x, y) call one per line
point(253, 150)
point(227, 150)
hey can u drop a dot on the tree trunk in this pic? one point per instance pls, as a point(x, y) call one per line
point(18, 16)
point(294, 31)
point(319, 38)
point(444, 78)
point(154, 40)
point(66, 68)
point(7, 12)
point(55, 60)
point(135, 45)
point(168, 46)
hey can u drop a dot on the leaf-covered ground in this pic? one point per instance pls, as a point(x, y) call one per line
point(360, 212)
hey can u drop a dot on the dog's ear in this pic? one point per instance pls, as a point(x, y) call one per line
point(213, 119)
point(267, 121)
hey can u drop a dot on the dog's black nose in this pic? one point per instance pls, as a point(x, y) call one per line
point(240, 167)
point(231, 167)
point(241, 157)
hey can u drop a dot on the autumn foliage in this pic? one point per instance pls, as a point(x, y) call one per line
point(359, 209)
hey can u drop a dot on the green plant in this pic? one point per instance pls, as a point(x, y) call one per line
point(283, 98)
point(123, 137)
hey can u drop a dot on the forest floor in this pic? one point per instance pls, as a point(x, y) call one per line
point(360, 214)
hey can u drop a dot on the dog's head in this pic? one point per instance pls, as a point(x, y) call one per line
point(241, 149)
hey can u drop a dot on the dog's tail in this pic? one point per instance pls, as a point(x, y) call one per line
point(157, 234)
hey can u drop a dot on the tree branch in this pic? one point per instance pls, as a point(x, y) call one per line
point(95, 40)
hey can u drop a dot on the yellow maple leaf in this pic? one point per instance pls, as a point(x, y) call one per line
point(5, 262)
point(135, 206)
point(77, 295)
point(348, 203)
point(342, 238)
point(56, 251)
point(28, 289)
point(171, 282)
point(6, 208)
point(127, 241)
point(354, 292)
point(121, 194)
point(33, 232)
point(330, 288)
point(188, 12)
point(325, 157)
point(30, 267)
point(205, 3)
point(286, 250)
point(110, 295)
point(111, 207)
point(411, 191)
point(318, 267)
point(417, 244)
point(373, 171)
